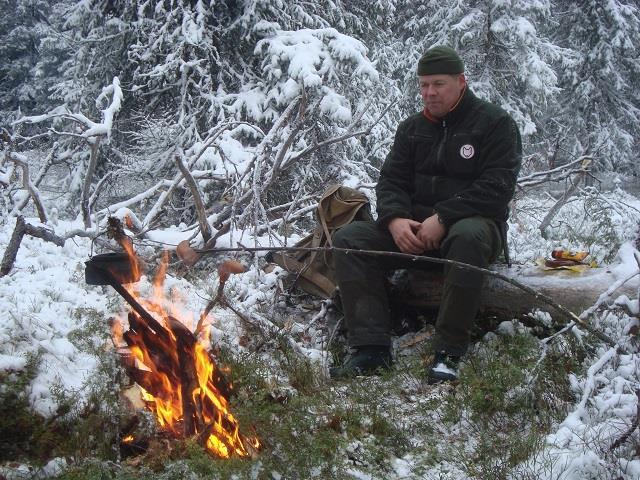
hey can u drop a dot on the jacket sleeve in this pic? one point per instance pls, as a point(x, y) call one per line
point(396, 183)
point(490, 193)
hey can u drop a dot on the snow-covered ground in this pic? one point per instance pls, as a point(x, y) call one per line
point(45, 299)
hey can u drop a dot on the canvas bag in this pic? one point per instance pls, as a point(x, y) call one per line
point(314, 271)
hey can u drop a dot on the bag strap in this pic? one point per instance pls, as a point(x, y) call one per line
point(293, 265)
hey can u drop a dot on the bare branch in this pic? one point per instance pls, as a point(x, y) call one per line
point(21, 229)
point(563, 200)
point(348, 134)
point(554, 175)
point(28, 184)
point(150, 192)
point(96, 191)
point(205, 229)
point(86, 186)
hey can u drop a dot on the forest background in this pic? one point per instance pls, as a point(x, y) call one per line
point(211, 80)
point(226, 120)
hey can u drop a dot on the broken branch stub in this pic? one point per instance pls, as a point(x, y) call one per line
point(229, 267)
point(22, 228)
point(186, 254)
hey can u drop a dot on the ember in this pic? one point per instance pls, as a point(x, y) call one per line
point(181, 383)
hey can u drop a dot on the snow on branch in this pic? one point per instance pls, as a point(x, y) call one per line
point(311, 55)
point(108, 113)
point(316, 60)
point(555, 174)
point(92, 132)
point(91, 128)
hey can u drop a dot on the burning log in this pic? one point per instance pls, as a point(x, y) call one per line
point(184, 387)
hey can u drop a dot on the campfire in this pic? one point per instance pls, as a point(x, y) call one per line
point(179, 379)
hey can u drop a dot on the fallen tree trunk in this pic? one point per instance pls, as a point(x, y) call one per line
point(573, 291)
point(566, 316)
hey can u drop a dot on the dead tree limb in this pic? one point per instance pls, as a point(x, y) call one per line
point(178, 179)
point(566, 196)
point(205, 229)
point(39, 177)
point(22, 228)
point(251, 195)
point(29, 186)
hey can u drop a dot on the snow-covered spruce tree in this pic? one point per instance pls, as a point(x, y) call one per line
point(308, 92)
point(282, 86)
point(509, 61)
point(420, 26)
point(600, 104)
point(81, 48)
point(242, 94)
point(507, 54)
point(20, 34)
point(96, 42)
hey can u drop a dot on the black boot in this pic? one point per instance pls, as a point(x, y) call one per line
point(367, 360)
point(443, 368)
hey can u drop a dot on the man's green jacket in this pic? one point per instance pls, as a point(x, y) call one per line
point(463, 165)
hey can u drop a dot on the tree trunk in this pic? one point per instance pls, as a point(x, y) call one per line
point(86, 187)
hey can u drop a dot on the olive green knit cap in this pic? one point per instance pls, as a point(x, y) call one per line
point(440, 60)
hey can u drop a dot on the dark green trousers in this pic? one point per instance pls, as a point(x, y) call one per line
point(361, 279)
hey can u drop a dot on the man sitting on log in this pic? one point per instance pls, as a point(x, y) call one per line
point(443, 191)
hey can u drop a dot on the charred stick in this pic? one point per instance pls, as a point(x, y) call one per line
point(185, 343)
point(139, 309)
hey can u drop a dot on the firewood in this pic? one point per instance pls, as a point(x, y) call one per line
point(185, 342)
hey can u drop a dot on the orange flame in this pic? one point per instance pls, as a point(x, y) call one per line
point(176, 372)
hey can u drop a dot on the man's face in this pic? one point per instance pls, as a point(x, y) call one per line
point(440, 92)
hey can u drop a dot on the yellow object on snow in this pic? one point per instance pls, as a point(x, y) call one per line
point(577, 267)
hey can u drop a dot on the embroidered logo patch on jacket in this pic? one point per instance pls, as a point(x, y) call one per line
point(467, 151)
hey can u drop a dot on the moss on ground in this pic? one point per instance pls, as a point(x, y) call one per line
point(487, 425)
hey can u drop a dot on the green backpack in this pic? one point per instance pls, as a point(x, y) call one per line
point(314, 271)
